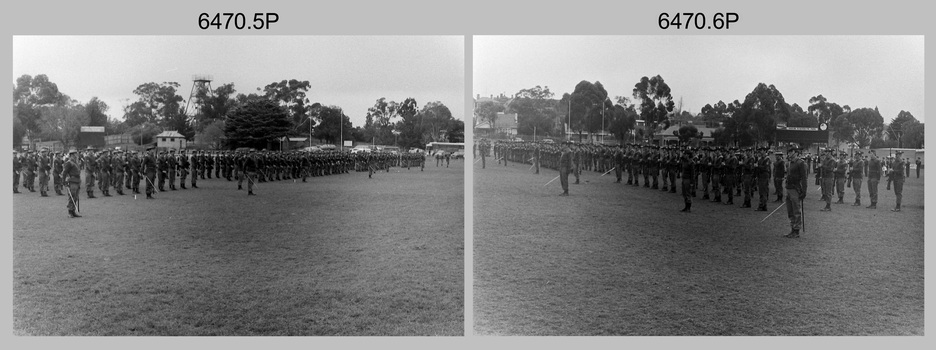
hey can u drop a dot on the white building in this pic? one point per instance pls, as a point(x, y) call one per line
point(171, 139)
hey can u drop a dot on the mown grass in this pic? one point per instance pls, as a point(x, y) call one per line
point(612, 259)
point(339, 255)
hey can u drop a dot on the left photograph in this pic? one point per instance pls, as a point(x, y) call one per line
point(238, 185)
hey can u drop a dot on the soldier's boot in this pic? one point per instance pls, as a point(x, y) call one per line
point(91, 195)
point(792, 234)
point(149, 196)
point(827, 207)
point(15, 190)
point(182, 186)
point(120, 192)
point(107, 194)
point(761, 208)
point(705, 196)
point(857, 203)
point(685, 208)
point(872, 206)
point(43, 194)
point(58, 192)
point(71, 213)
point(250, 193)
point(664, 189)
point(746, 204)
point(897, 208)
point(239, 187)
point(673, 190)
point(840, 201)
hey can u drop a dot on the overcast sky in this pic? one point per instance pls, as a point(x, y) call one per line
point(351, 72)
point(858, 71)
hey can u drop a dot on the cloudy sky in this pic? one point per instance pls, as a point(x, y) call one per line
point(858, 71)
point(351, 72)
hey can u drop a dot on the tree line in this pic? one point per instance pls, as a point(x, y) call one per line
point(223, 118)
point(590, 109)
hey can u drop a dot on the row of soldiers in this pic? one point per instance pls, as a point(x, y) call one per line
point(722, 171)
point(116, 170)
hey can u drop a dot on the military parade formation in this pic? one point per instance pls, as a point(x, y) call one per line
point(118, 170)
point(716, 174)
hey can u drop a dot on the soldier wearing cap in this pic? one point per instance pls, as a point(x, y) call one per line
point(149, 169)
point(731, 171)
point(30, 165)
point(898, 178)
point(565, 166)
point(136, 167)
point(250, 170)
point(687, 174)
point(117, 166)
point(90, 170)
point(58, 165)
point(72, 176)
point(856, 175)
point(874, 177)
point(183, 168)
point(44, 166)
point(828, 178)
point(717, 170)
point(779, 172)
point(104, 165)
point(762, 174)
point(841, 170)
point(17, 168)
point(171, 168)
point(796, 191)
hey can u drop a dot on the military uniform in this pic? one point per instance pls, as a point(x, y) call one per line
point(71, 174)
point(841, 169)
point(857, 174)
point(762, 173)
point(898, 178)
point(796, 192)
point(874, 177)
point(779, 172)
point(149, 169)
point(90, 169)
point(565, 166)
point(828, 179)
point(687, 173)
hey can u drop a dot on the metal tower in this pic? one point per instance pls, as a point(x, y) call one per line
point(199, 82)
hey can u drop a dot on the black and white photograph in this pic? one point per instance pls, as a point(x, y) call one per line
point(698, 185)
point(238, 185)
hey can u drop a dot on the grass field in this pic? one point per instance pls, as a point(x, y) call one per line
point(613, 259)
point(340, 255)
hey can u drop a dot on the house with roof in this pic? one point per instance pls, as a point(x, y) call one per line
point(171, 139)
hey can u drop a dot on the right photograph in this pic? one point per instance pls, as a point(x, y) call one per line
point(698, 185)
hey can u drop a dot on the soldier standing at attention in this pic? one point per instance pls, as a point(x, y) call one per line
point(898, 176)
point(173, 167)
point(72, 176)
point(17, 167)
point(731, 177)
point(58, 164)
point(44, 167)
point(841, 168)
point(919, 166)
point(117, 166)
point(857, 173)
point(183, 168)
point(779, 171)
point(565, 166)
point(250, 170)
point(762, 173)
point(874, 177)
point(194, 160)
point(828, 178)
point(149, 168)
point(687, 170)
point(90, 169)
point(796, 191)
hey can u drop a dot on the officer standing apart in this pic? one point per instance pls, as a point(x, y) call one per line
point(72, 176)
point(687, 169)
point(796, 191)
